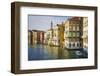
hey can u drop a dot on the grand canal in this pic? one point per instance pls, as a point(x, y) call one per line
point(45, 52)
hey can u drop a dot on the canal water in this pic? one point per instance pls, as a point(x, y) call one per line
point(45, 52)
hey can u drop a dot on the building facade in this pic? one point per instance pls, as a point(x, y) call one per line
point(34, 37)
point(40, 37)
point(37, 37)
point(73, 33)
point(45, 37)
point(85, 33)
point(29, 36)
point(55, 36)
point(49, 37)
point(61, 34)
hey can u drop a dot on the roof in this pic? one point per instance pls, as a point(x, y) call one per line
point(75, 18)
point(38, 31)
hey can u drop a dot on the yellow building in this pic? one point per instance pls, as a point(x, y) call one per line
point(47, 37)
point(58, 35)
point(34, 36)
point(61, 34)
point(85, 33)
point(55, 36)
point(73, 33)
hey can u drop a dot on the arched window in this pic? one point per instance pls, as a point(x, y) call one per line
point(69, 44)
point(73, 44)
point(77, 44)
point(80, 44)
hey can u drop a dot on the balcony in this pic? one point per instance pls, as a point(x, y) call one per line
point(72, 34)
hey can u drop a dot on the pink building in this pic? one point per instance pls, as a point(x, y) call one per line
point(40, 37)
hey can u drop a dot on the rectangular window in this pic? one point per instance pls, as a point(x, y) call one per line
point(77, 28)
point(69, 44)
point(73, 28)
point(70, 35)
point(74, 34)
point(78, 34)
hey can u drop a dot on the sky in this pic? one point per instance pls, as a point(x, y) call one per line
point(43, 23)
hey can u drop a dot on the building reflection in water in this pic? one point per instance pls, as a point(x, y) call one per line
point(45, 52)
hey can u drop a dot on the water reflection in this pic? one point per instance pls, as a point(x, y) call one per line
point(45, 52)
